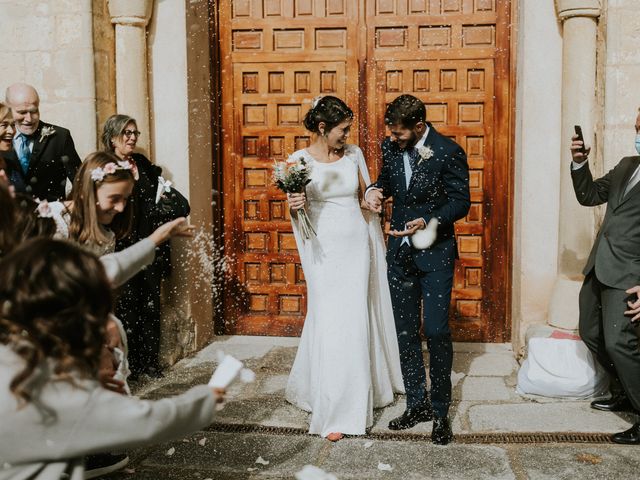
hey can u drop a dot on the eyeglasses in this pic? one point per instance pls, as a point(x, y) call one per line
point(128, 133)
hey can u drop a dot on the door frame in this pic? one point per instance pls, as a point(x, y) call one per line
point(497, 277)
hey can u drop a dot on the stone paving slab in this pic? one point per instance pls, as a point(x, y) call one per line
point(493, 365)
point(590, 462)
point(488, 389)
point(351, 460)
point(549, 417)
point(238, 453)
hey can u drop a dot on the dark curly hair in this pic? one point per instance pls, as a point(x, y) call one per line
point(330, 110)
point(55, 299)
point(405, 110)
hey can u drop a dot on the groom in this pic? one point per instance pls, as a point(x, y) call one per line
point(427, 175)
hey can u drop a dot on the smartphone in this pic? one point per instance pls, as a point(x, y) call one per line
point(578, 130)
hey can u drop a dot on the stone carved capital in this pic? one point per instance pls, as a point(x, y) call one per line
point(577, 8)
point(130, 12)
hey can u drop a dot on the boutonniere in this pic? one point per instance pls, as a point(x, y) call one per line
point(46, 131)
point(425, 153)
point(164, 186)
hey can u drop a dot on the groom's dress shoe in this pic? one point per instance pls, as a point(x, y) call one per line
point(628, 437)
point(441, 434)
point(617, 403)
point(411, 417)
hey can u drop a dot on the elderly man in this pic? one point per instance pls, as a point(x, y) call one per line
point(613, 266)
point(43, 155)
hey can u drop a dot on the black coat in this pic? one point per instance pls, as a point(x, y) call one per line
point(53, 160)
point(149, 215)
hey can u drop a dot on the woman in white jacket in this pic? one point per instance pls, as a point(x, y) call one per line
point(55, 300)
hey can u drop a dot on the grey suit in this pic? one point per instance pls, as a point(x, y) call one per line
point(613, 266)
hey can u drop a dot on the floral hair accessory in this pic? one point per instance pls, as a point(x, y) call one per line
point(98, 173)
point(44, 209)
point(316, 100)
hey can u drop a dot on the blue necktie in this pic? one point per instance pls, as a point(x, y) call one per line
point(24, 154)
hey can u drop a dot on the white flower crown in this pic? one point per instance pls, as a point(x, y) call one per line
point(98, 173)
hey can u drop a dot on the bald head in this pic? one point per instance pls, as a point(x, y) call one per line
point(24, 102)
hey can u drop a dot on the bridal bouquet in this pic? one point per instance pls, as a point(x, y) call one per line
point(291, 177)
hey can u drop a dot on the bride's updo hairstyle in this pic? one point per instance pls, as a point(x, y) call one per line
point(330, 110)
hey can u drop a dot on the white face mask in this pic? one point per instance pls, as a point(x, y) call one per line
point(638, 143)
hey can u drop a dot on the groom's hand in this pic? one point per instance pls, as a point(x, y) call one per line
point(373, 198)
point(410, 228)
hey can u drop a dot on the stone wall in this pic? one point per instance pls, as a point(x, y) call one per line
point(621, 85)
point(104, 45)
point(50, 46)
point(537, 163)
point(167, 54)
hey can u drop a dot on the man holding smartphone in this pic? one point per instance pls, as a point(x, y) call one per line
point(607, 323)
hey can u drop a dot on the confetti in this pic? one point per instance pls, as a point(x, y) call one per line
point(202, 442)
point(262, 461)
point(247, 376)
point(384, 467)
point(171, 451)
point(368, 444)
point(311, 472)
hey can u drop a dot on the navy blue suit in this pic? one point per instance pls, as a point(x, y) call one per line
point(439, 187)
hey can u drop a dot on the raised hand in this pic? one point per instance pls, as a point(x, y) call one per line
point(576, 150)
point(174, 228)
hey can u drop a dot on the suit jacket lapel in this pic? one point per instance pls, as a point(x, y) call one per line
point(631, 167)
point(38, 145)
point(428, 142)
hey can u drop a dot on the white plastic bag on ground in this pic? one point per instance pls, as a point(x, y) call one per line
point(560, 368)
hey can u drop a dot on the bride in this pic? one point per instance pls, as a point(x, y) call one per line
point(347, 363)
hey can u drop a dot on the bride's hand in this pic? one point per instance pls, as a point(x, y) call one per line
point(296, 200)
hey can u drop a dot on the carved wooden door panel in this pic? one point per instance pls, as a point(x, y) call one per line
point(453, 54)
point(278, 55)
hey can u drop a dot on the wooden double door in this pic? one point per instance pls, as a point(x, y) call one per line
point(277, 55)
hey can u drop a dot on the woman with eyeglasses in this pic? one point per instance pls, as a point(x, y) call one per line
point(138, 305)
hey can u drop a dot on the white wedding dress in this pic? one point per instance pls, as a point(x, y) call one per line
point(347, 363)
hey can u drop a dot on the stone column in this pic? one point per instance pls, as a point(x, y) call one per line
point(579, 28)
point(131, 18)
